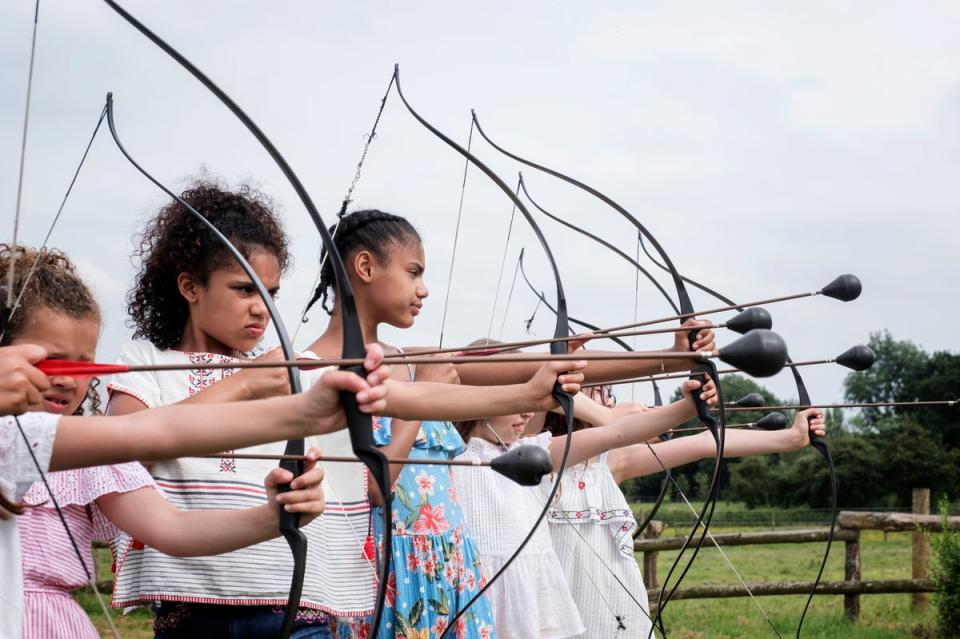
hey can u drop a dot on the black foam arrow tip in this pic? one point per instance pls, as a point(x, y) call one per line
point(750, 401)
point(845, 288)
point(525, 465)
point(772, 421)
point(858, 358)
point(759, 353)
point(750, 319)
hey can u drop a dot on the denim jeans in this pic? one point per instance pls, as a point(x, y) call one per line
point(188, 621)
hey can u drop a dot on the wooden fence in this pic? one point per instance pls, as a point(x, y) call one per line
point(849, 525)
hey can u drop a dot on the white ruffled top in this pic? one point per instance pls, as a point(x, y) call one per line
point(531, 598)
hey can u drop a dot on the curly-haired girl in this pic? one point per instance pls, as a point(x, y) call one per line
point(58, 312)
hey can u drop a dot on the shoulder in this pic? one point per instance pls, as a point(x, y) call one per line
point(542, 440)
point(142, 352)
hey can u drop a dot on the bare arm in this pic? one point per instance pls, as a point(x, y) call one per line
point(431, 400)
point(178, 430)
point(174, 531)
point(623, 431)
point(598, 371)
point(638, 460)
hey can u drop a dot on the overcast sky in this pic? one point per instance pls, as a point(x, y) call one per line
point(769, 147)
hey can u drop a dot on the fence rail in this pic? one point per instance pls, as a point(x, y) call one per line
point(850, 523)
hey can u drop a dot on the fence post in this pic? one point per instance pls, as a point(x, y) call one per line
point(650, 556)
point(921, 547)
point(851, 572)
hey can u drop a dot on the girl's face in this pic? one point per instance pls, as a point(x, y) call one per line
point(64, 337)
point(226, 313)
point(396, 288)
point(508, 428)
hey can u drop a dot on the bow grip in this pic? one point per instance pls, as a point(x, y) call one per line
point(703, 410)
point(816, 441)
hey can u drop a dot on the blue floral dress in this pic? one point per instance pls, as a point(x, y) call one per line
point(436, 567)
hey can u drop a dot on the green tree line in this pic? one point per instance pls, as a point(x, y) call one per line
point(880, 454)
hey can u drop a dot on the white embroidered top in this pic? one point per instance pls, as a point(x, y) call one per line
point(338, 578)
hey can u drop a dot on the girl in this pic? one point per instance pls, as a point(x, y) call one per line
point(435, 564)
point(531, 598)
point(592, 525)
point(58, 313)
point(191, 303)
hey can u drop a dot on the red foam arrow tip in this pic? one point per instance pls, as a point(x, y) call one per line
point(74, 368)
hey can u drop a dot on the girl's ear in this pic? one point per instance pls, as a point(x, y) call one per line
point(363, 266)
point(188, 287)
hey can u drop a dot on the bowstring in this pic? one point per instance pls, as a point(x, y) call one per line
point(23, 152)
point(503, 261)
point(506, 309)
point(91, 580)
point(56, 218)
point(456, 237)
point(713, 540)
point(506, 448)
point(347, 199)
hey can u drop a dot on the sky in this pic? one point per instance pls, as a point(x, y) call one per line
point(768, 146)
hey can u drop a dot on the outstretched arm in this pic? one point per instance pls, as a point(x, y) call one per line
point(639, 460)
point(179, 430)
point(432, 400)
point(598, 371)
point(630, 429)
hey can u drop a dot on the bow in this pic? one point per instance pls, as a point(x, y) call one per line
point(743, 323)
point(562, 329)
point(358, 424)
point(849, 288)
point(703, 412)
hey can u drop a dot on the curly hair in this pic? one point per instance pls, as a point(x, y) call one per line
point(366, 230)
point(175, 242)
point(46, 279)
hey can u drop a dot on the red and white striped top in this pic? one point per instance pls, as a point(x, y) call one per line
point(339, 579)
point(51, 568)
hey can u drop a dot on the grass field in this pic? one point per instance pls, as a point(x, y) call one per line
point(882, 616)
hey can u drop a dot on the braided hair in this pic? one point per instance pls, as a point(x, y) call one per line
point(54, 285)
point(175, 242)
point(366, 230)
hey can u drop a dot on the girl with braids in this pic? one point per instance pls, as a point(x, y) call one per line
point(192, 304)
point(58, 313)
point(435, 563)
point(592, 525)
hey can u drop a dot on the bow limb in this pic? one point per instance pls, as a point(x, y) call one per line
point(291, 532)
point(562, 329)
point(602, 242)
point(359, 424)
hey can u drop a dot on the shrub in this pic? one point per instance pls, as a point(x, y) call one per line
point(946, 576)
